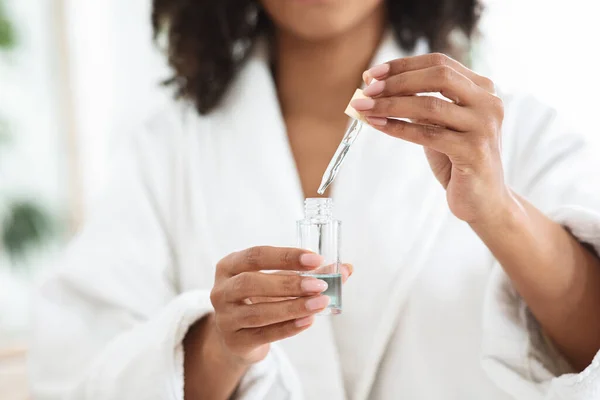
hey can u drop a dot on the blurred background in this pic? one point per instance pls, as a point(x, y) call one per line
point(76, 74)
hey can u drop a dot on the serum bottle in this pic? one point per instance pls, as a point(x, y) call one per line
point(320, 233)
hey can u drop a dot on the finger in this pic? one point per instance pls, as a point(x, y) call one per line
point(258, 284)
point(347, 270)
point(438, 111)
point(268, 258)
point(377, 72)
point(367, 79)
point(435, 137)
point(272, 333)
point(263, 314)
point(449, 82)
point(402, 65)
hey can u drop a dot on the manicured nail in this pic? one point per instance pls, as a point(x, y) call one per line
point(374, 89)
point(347, 270)
point(366, 78)
point(317, 303)
point(312, 285)
point(377, 121)
point(311, 260)
point(362, 104)
point(350, 268)
point(379, 70)
point(300, 322)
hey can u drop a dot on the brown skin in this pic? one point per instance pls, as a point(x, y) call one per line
point(557, 276)
point(320, 50)
point(320, 23)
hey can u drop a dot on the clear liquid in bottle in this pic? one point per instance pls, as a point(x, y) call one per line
point(320, 233)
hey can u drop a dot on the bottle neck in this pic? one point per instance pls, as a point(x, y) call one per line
point(318, 208)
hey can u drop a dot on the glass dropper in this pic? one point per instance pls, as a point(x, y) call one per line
point(340, 154)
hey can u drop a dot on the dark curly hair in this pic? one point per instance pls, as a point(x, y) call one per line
point(209, 40)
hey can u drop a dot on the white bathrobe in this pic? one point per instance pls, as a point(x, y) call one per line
point(428, 313)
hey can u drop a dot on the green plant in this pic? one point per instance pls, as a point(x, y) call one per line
point(23, 224)
point(7, 36)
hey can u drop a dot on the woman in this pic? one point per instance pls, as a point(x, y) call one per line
point(463, 287)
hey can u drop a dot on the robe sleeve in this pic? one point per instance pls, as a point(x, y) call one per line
point(559, 173)
point(108, 322)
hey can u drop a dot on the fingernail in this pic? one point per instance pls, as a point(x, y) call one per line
point(379, 70)
point(377, 121)
point(366, 78)
point(317, 303)
point(350, 268)
point(311, 260)
point(300, 322)
point(312, 285)
point(374, 89)
point(362, 104)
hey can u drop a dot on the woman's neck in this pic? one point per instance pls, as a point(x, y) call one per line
point(317, 78)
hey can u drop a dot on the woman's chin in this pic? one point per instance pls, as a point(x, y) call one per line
point(312, 2)
point(317, 32)
point(317, 20)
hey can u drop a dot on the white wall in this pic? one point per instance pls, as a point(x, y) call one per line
point(116, 70)
point(548, 48)
point(31, 166)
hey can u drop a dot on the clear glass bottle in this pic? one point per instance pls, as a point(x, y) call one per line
point(320, 232)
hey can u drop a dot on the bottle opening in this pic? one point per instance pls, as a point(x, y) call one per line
point(318, 207)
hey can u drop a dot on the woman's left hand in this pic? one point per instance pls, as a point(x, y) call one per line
point(462, 138)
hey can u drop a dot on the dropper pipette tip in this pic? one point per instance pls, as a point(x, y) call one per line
point(326, 181)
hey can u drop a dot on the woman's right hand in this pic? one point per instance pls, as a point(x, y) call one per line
point(253, 308)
